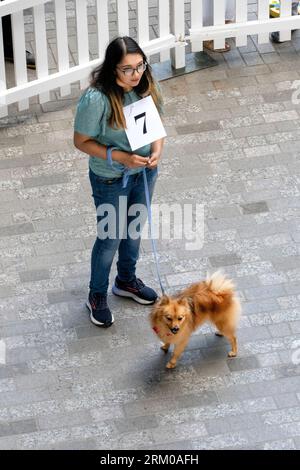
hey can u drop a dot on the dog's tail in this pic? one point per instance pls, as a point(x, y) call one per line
point(218, 283)
point(222, 294)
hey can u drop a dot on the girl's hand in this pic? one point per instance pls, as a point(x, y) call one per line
point(130, 160)
point(153, 160)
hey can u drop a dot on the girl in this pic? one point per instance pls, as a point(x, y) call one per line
point(123, 78)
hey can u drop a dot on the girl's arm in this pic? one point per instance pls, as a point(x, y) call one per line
point(87, 145)
point(156, 151)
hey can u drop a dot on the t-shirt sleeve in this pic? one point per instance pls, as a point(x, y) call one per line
point(89, 113)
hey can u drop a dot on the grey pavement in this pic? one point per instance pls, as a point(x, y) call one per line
point(233, 146)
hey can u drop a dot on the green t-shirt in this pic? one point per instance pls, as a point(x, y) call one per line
point(92, 114)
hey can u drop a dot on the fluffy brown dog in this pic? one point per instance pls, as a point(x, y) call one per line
point(175, 318)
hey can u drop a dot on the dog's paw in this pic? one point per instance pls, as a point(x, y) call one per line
point(171, 365)
point(164, 348)
point(232, 354)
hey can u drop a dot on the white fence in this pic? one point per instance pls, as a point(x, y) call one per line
point(171, 38)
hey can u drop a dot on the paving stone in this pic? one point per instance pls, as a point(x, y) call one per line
point(255, 207)
point(45, 180)
point(286, 444)
point(18, 427)
point(233, 423)
point(60, 420)
point(225, 260)
point(29, 276)
point(18, 229)
point(282, 329)
point(85, 444)
point(243, 363)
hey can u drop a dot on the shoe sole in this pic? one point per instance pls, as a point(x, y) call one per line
point(130, 295)
point(96, 322)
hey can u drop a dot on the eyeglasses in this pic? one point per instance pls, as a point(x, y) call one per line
point(130, 71)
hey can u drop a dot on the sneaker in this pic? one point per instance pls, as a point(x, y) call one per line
point(135, 290)
point(100, 313)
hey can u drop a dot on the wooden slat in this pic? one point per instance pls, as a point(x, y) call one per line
point(164, 25)
point(157, 45)
point(178, 29)
point(219, 19)
point(82, 37)
point(143, 21)
point(13, 6)
point(263, 14)
point(197, 22)
point(62, 42)
point(285, 10)
point(55, 80)
point(3, 107)
point(102, 27)
point(18, 34)
point(123, 20)
point(241, 17)
point(41, 57)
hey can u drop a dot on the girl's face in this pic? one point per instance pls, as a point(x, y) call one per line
point(130, 71)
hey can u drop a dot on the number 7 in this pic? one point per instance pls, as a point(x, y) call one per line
point(139, 116)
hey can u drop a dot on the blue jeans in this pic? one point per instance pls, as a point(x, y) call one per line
point(107, 191)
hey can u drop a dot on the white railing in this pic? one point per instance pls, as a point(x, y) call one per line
point(171, 31)
point(239, 30)
point(66, 75)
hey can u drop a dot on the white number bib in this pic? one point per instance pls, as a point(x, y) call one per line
point(143, 123)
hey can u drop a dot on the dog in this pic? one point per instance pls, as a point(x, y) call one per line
point(175, 318)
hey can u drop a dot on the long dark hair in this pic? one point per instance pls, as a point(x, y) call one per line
point(103, 78)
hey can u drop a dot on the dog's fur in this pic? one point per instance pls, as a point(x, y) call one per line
point(175, 318)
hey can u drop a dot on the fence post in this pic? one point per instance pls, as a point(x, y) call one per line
point(285, 10)
point(197, 22)
point(178, 29)
point(164, 25)
point(82, 36)
point(263, 14)
point(102, 27)
point(3, 107)
point(241, 15)
point(41, 46)
point(219, 19)
point(142, 22)
point(62, 42)
point(18, 33)
point(123, 21)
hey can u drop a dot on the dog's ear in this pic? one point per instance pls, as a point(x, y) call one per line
point(158, 309)
point(187, 302)
point(164, 300)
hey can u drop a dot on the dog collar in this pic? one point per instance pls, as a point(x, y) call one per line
point(157, 332)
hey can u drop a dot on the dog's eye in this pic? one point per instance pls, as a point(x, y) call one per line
point(169, 318)
point(179, 318)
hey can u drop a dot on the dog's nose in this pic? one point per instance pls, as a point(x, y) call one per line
point(175, 330)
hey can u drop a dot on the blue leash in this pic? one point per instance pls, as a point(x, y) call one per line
point(147, 195)
point(125, 178)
